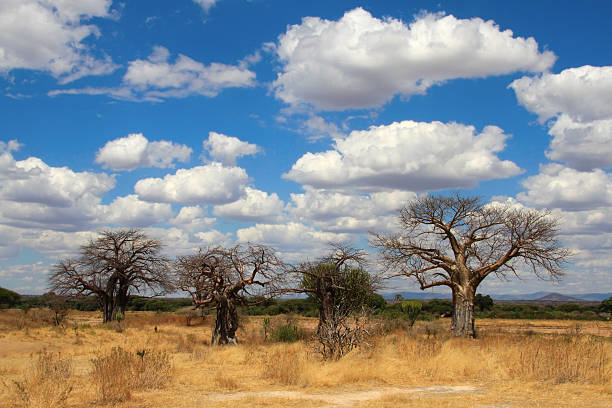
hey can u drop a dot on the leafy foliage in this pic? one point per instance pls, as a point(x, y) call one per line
point(482, 303)
point(8, 298)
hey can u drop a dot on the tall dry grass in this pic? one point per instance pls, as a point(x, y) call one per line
point(423, 356)
point(413, 359)
point(46, 383)
point(122, 371)
point(287, 364)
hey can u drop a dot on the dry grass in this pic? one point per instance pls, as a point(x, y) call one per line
point(46, 383)
point(286, 364)
point(508, 369)
point(120, 372)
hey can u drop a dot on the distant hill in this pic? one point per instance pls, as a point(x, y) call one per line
point(536, 296)
point(557, 297)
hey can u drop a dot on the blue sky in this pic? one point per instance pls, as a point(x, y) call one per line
point(296, 123)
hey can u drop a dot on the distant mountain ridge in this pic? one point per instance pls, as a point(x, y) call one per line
point(536, 296)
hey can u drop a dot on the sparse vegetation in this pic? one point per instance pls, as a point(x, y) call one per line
point(118, 373)
point(47, 383)
point(175, 366)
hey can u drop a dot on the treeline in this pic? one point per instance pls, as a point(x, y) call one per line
point(436, 308)
point(308, 307)
point(10, 299)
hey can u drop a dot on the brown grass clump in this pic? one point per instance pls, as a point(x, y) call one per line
point(286, 364)
point(225, 382)
point(186, 343)
point(119, 373)
point(47, 383)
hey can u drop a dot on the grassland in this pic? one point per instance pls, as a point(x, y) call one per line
point(163, 362)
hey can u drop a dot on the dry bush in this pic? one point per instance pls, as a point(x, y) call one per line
point(47, 383)
point(338, 336)
point(286, 364)
point(119, 373)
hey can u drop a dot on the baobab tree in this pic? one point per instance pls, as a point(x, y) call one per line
point(458, 241)
point(112, 266)
point(341, 287)
point(224, 278)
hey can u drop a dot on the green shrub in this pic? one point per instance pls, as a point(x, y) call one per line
point(287, 333)
point(411, 310)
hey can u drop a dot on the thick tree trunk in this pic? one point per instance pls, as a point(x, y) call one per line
point(226, 323)
point(122, 301)
point(108, 310)
point(463, 313)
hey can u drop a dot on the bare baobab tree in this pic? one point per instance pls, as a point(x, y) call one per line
point(225, 278)
point(111, 267)
point(459, 241)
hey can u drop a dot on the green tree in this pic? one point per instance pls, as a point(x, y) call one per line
point(411, 310)
point(606, 305)
point(341, 287)
point(8, 298)
point(483, 303)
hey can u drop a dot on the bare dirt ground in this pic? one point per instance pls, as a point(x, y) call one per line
point(344, 399)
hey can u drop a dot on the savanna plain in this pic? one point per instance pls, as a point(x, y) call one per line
point(157, 360)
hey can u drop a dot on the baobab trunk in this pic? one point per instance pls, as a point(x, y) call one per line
point(463, 312)
point(109, 310)
point(226, 323)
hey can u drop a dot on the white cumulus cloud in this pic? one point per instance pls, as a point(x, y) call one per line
point(361, 61)
point(347, 212)
point(226, 149)
point(192, 218)
point(256, 205)
point(578, 102)
point(130, 211)
point(557, 186)
point(157, 78)
point(210, 184)
point(134, 151)
point(413, 156)
point(293, 240)
point(49, 35)
point(52, 186)
point(582, 93)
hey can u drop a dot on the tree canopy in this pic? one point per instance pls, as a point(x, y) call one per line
point(227, 277)
point(112, 266)
point(458, 241)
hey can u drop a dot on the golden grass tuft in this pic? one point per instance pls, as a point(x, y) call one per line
point(562, 360)
point(286, 364)
point(47, 383)
point(120, 372)
point(225, 381)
